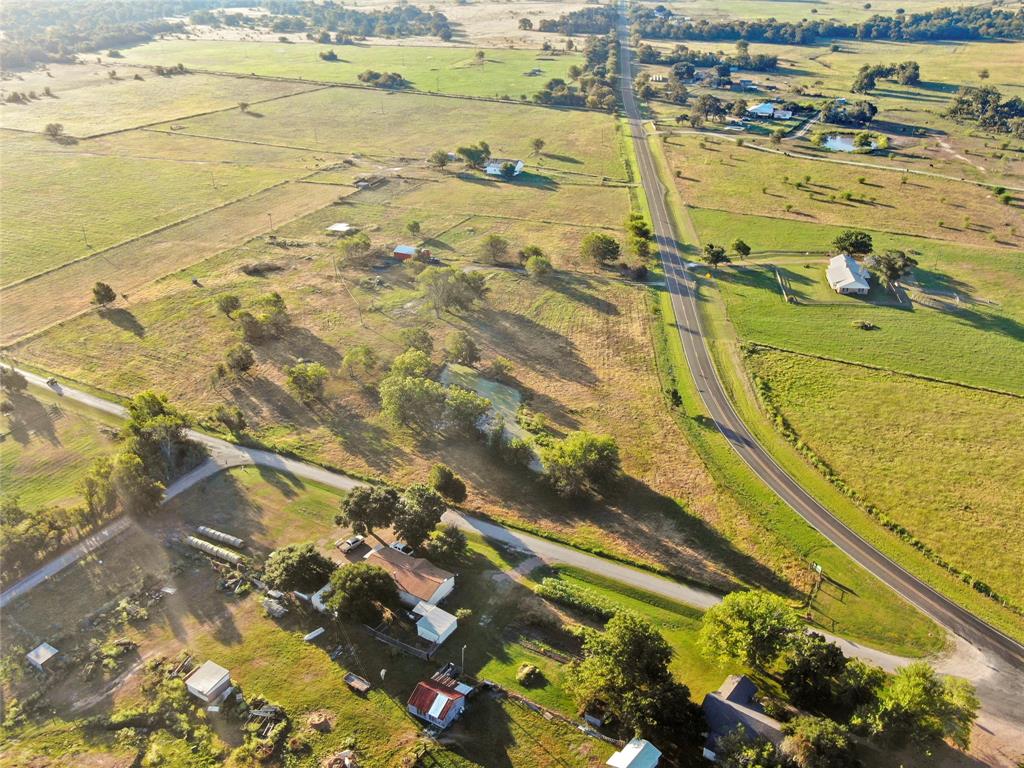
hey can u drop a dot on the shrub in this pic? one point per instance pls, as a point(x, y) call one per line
point(579, 598)
point(528, 675)
point(447, 483)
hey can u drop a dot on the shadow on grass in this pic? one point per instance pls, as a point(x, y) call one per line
point(32, 416)
point(124, 320)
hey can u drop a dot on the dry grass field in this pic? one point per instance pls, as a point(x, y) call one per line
point(87, 100)
point(718, 174)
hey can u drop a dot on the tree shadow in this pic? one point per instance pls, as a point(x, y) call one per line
point(124, 320)
point(542, 349)
point(569, 286)
point(562, 158)
point(32, 416)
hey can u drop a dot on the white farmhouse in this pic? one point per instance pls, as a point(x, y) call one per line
point(494, 166)
point(847, 277)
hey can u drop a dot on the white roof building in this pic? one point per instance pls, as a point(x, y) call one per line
point(435, 625)
point(846, 276)
point(764, 109)
point(41, 654)
point(638, 753)
point(493, 167)
point(342, 228)
point(208, 682)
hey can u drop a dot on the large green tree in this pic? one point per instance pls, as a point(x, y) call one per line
point(893, 265)
point(921, 707)
point(625, 670)
point(813, 671)
point(752, 627)
point(600, 248)
point(418, 514)
point(360, 591)
point(817, 742)
point(449, 289)
point(582, 462)
point(854, 242)
point(367, 507)
point(297, 567)
point(306, 380)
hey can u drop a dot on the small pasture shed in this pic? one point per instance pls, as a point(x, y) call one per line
point(846, 276)
point(342, 228)
point(494, 166)
point(417, 579)
point(208, 682)
point(39, 656)
point(638, 753)
point(404, 252)
point(436, 703)
point(435, 625)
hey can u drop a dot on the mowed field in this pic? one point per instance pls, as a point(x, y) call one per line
point(94, 98)
point(456, 70)
point(976, 341)
point(716, 173)
point(108, 191)
point(943, 461)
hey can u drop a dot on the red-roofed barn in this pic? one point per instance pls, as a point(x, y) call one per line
point(436, 703)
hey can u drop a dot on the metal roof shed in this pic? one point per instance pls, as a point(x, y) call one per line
point(41, 654)
point(208, 682)
point(638, 753)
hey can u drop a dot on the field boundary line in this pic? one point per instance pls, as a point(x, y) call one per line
point(129, 241)
point(504, 218)
point(883, 369)
point(914, 235)
point(8, 346)
point(105, 134)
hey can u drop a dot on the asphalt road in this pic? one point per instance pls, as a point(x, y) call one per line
point(681, 285)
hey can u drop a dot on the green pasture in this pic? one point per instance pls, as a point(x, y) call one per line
point(47, 449)
point(409, 125)
point(118, 188)
point(501, 72)
point(948, 468)
point(974, 343)
point(86, 100)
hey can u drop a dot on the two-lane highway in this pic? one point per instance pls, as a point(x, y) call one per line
point(680, 283)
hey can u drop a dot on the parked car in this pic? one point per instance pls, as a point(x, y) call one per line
point(347, 545)
point(401, 546)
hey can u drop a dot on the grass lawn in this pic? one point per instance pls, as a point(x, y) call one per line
point(502, 72)
point(112, 190)
point(976, 343)
point(87, 101)
point(949, 468)
point(746, 181)
point(391, 124)
point(48, 446)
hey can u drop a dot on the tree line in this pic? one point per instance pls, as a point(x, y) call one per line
point(972, 23)
point(40, 31)
point(401, 20)
point(681, 54)
point(986, 107)
point(593, 85)
point(904, 73)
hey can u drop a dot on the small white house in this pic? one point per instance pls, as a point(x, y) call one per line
point(768, 111)
point(342, 228)
point(435, 625)
point(493, 167)
point(847, 277)
point(40, 655)
point(208, 682)
point(638, 753)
